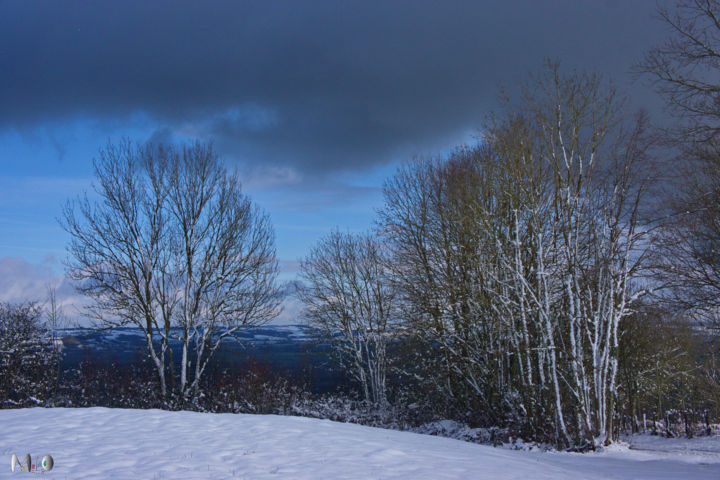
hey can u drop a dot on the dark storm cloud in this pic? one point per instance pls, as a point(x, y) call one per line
point(314, 85)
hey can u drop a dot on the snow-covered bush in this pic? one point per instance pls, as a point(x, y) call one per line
point(459, 431)
point(27, 358)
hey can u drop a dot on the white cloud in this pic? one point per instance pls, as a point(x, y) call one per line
point(292, 312)
point(268, 177)
point(22, 281)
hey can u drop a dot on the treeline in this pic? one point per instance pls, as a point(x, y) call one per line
point(509, 266)
point(529, 276)
point(561, 278)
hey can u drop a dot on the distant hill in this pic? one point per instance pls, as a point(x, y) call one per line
point(293, 350)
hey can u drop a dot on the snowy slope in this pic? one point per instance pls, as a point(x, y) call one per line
point(111, 443)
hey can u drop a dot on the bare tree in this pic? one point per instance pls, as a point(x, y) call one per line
point(225, 258)
point(171, 242)
point(586, 238)
point(117, 244)
point(684, 68)
point(443, 262)
point(517, 257)
point(685, 72)
point(348, 295)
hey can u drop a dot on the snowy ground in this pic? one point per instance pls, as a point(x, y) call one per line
point(681, 445)
point(113, 443)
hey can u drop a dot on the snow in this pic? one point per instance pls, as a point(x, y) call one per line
point(453, 429)
point(267, 338)
point(262, 334)
point(115, 443)
point(688, 446)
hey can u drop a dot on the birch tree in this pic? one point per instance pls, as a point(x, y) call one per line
point(517, 257)
point(587, 241)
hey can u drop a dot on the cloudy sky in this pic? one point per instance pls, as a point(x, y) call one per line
point(315, 102)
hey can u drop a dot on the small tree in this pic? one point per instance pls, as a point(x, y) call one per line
point(348, 295)
point(55, 322)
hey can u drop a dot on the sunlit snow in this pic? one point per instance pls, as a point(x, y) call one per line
point(114, 443)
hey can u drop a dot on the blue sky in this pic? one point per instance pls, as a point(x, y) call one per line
point(39, 177)
point(46, 166)
point(315, 103)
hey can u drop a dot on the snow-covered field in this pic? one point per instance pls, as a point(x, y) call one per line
point(152, 444)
